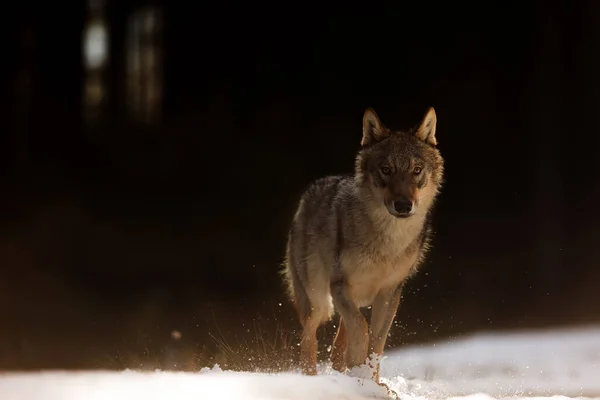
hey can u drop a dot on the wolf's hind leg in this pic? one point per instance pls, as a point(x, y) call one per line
point(308, 346)
point(310, 318)
point(339, 348)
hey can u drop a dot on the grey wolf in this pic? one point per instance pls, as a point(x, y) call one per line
point(355, 239)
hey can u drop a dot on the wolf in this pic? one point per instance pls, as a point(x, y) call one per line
point(354, 240)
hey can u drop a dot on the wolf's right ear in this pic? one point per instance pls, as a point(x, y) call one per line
point(373, 129)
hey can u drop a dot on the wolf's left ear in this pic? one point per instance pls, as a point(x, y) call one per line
point(426, 131)
point(373, 129)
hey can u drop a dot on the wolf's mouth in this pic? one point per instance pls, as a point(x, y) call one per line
point(400, 215)
point(403, 215)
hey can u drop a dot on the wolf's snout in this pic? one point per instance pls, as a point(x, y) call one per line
point(403, 206)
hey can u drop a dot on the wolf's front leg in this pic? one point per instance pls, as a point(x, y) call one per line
point(356, 327)
point(384, 309)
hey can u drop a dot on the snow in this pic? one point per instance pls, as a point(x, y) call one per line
point(558, 364)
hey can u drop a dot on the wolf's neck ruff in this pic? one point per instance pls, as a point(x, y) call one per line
point(389, 237)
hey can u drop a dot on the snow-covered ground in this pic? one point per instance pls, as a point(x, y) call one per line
point(558, 363)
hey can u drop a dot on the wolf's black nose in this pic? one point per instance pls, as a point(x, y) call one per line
point(403, 206)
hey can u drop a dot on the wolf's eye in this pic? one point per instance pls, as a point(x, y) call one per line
point(386, 170)
point(417, 170)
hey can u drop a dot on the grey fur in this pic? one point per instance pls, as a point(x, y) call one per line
point(355, 239)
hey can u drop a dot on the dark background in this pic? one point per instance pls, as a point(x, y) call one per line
point(118, 230)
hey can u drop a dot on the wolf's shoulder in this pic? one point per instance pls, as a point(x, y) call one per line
point(328, 187)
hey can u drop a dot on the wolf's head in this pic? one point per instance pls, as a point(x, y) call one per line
point(401, 169)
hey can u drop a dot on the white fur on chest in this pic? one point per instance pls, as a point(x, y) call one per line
point(382, 262)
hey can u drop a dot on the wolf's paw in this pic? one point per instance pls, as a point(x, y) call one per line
point(391, 392)
point(369, 369)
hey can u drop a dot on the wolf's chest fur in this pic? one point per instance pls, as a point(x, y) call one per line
point(382, 261)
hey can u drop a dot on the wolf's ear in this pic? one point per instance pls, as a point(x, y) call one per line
point(426, 131)
point(373, 129)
